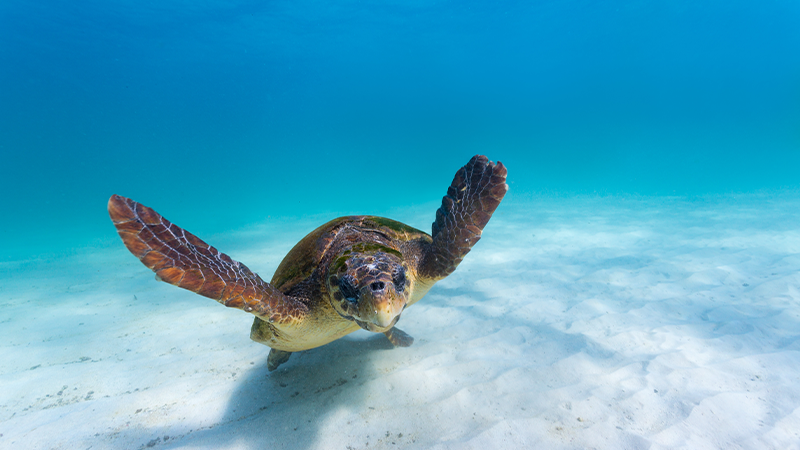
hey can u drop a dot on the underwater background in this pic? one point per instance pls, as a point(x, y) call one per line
point(222, 114)
point(638, 287)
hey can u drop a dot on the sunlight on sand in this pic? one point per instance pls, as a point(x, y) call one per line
point(575, 323)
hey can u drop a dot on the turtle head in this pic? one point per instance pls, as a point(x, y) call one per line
point(369, 288)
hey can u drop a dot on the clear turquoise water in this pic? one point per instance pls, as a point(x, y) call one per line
point(624, 292)
point(222, 114)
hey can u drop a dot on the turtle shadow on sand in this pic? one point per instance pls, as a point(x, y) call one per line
point(285, 408)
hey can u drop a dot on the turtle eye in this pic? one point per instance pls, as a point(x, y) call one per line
point(346, 288)
point(399, 278)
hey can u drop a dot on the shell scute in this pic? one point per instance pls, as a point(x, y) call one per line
point(307, 256)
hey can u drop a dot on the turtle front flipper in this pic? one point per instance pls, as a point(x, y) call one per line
point(472, 197)
point(182, 259)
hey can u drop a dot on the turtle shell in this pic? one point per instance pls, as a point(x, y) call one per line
point(314, 251)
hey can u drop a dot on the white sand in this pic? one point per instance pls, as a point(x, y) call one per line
point(575, 323)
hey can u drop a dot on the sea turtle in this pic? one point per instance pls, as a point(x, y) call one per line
point(352, 272)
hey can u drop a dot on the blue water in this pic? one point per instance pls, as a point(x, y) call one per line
point(221, 114)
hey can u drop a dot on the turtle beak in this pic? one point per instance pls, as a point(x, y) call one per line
point(380, 305)
point(384, 316)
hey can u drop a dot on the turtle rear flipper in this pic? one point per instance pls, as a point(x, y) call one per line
point(399, 338)
point(472, 197)
point(276, 358)
point(182, 259)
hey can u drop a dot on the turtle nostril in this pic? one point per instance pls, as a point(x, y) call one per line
point(377, 286)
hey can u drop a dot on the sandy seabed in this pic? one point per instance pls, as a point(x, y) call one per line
point(613, 322)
